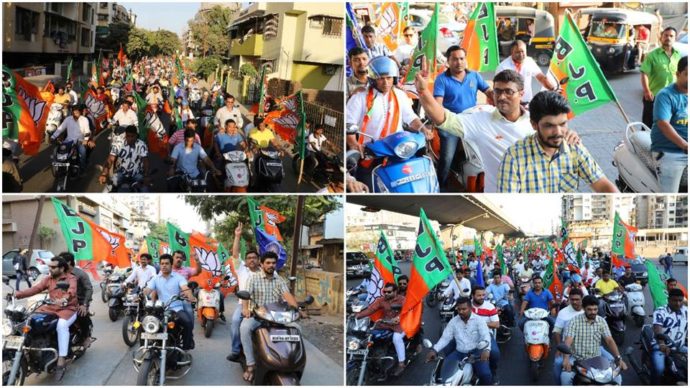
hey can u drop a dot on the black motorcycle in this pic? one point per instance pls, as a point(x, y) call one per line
point(446, 312)
point(355, 300)
point(116, 303)
point(436, 294)
point(65, 164)
point(185, 183)
point(161, 356)
point(676, 363)
point(269, 170)
point(30, 342)
point(134, 308)
point(328, 171)
point(111, 283)
point(615, 312)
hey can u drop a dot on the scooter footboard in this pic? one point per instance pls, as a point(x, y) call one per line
point(280, 349)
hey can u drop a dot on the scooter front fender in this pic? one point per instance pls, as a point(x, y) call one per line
point(416, 175)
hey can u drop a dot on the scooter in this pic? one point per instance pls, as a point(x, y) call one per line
point(208, 305)
point(676, 371)
point(436, 294)
point(536, 332)
point(635, 302)
point(237, 171)
point(446, 312)
point(614, 310)
point(460, 374)
point(398, 163)
point(636, 165)
point(592, 371)
point(278, 346)
point(54, 120)
point(65, 165)
point(524, 286)
point(269, 170)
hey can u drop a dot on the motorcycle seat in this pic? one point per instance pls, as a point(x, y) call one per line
point(642, 144)
point(381, 334)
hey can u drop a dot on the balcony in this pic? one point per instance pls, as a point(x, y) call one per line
point(252, 46)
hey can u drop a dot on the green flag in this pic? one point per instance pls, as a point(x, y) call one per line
point(180, 74)
point(301, 140)
point(141, 115)
point(69, 71)
point(477, 247)
point(223, 254)
point(577, 72)
point(656, 286)
point(179, 241)
point(426, 48)
point(255, 214)
point(499, 255)
point(243, 249)
point(480, 39)
point(262, 89)
point(153, 245)
point(80, 238)
point(623, 239)
point(579, 258)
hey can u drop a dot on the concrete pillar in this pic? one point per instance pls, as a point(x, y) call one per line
point(58, 69)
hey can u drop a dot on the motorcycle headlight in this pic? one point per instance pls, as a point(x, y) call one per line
point(601, 376)
point(612, 50)
point(405, 150)
point(353, 344)
point(645, 274)
point(282, 316)
point(357, 308)
point(151, 324)
point(7, 328)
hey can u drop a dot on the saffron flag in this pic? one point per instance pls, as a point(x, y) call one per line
point(388, 25)
point(97, 109)
point(121, 56)
point(271, 219)
point(577, 73)
point(385, 270)
point(23, 112)
point(551, 280)
point(118, 253)
point(424, 55)
point(429, 268)
point(623, 243)
point(480, 40)
point(287, 122)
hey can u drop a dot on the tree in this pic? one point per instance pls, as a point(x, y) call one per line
point(118, 34)
point(152, 43)
point(206, 66)
point(209, 31)
point(159, 231)
point(235, 209)
point(138, 43)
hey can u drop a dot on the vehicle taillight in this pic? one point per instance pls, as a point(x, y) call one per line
point(40, 262)
point(447, 32)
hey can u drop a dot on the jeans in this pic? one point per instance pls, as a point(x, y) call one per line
point(81, 148)
point(63, 334)
point(189, 310)
point(558, 365)
point(670, 169)
point(22, 275)
point(247, 327)
point(481, 368)
point(648, 112)
point(399, 343)
point(494, 356)
point(449, 145)
point(187, 321)
point(659, 365)
point(235, 323)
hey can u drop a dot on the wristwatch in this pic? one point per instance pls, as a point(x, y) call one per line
point(617, 358)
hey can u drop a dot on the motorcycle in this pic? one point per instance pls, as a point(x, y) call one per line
point(278, 345)
point(208, 305)
point(322, 174)
point(436, 294)
point(614, 312)
point(189, 184)
point(398, 163)
point(237, 171)
point(116, 303)
point(446, 312)
point(536, 332)
point(131, 325)
point(161, 356)
point(356, 300)
point(460, 374)
point(195, 99)
point(504, 332)
point(55, 117)
point(676, 363)
point(30, 342)
point(65, 164)
point(269, 170)
point(635, 163)
point(635, 303)
point(112, 282)
point(592, 371)
point(127, 184)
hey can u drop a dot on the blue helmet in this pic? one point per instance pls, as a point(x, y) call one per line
point(383, 67)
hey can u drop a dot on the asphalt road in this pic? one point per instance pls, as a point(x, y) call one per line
point(109, 360)
point(513, 365)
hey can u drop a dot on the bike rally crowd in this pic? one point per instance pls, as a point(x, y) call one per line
point(573, 304)
point(413, 118)
point(156, 105)
point(161, 292)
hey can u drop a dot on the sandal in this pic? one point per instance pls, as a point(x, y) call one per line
point(248, 375)
point(60, 372)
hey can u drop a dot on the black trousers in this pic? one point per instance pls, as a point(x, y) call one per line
point(648, 112)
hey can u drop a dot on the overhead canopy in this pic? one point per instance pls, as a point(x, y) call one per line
point(467, 210)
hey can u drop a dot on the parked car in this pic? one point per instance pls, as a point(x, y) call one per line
point(450, 32)
point(640, 271)
point(37, 266)
point(681, 254)
point(357, 265)
point(682, 46)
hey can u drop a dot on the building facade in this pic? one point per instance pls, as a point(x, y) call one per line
point(112, 13)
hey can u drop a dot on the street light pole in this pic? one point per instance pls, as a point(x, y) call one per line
point(35, 229)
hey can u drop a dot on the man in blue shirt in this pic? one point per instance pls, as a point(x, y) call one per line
point(537, 297)
point(167, 284)
point(185, 158)
point(456, 89)
point(501, 294)
point(670, 131)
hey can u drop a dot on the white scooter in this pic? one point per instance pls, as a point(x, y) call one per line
point(209, 307)
point(635, 303)
point(459, 374)
point(635, 163)
point(54, 119)
point(237, 171)
point(536, 332)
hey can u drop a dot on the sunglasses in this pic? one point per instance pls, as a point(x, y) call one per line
point(53, 266)
point(409, 35)
point(388, 292)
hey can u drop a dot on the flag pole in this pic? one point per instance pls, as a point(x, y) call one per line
point(627, 119)
point(303, 137)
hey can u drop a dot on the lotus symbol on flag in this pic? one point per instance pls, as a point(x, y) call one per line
point(271, 218)
point(375, 285)
point(95, 106)
point(36, 106)
point(114, 241)
point(152, 121)
point(209, 261)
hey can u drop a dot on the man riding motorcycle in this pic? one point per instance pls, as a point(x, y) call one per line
point(460, 287)
point(84, 293)
point(130, 160)
point(185, 158)
point(671, 320)
point(503, 298)
point(78, 132)
point(486, 311)
point(64, 306)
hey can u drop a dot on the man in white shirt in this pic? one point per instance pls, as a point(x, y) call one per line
point(78, 132)
point(73, 96)
point(250, 265)
point(486, 311)
point(526, 67)
point(404, 51)
point(123, 118)
point(315, 142)
point(491, 129)
point(459, 287)
point(144, 272)
point(228, 112)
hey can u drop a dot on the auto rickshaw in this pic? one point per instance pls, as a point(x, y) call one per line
point(612, 36)
point(534, 27)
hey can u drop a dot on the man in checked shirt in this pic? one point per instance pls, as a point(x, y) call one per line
point(264, 287)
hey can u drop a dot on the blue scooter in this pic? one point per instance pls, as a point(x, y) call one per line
point(398, 163)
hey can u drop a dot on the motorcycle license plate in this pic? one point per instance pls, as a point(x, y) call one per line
point(58, 164)
point(285, 338)
point(357, 352)
point(13, 342)
point(154, 336)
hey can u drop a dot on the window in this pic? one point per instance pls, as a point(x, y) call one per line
point(85, 13)
point(85, 37)
point(102, 18)
point(55, 7)
point(26, 23)
point(332, 26)
point(60, 28)
point(103, 5)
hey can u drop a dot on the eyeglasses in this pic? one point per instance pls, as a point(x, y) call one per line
point(409, 35)
point(388, 292)
point(53, 266)
point(508, 92)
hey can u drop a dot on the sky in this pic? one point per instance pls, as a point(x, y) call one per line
point(170, 16)
point(176, 210)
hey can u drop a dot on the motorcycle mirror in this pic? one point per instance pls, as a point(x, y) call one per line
point(352, 158)
point(427, 344)
point(64, 286)
point(6, 279)
point(244, 295)
point(563, 348)
point(309, 299)
point(352, 129)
